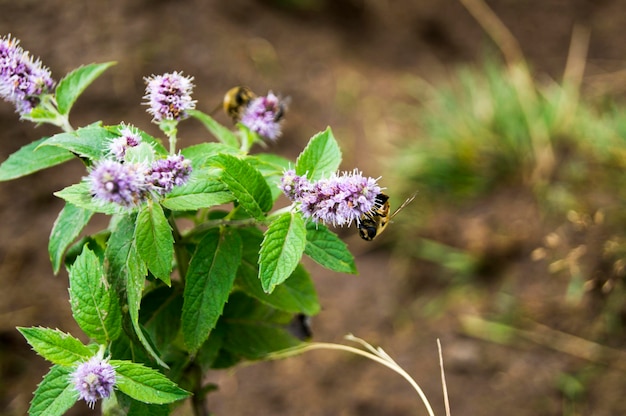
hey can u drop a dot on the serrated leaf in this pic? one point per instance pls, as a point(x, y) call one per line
point(320, 157)
point(91, 142)
point(209, 281)
point(328, 250)
point(202, 191)
point(127, 271)
point(55, 394)
point(296, 295)
point(281, 250)
point(94, 307)
point(74, 83)
point(220, 132)
point(246, 184)
point(56, 346)
point(67, 227)
point(155, 243)
point(29, 159)
point(80, 196)
point(145, 384)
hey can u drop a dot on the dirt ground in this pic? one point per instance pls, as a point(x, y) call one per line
point(342, 62)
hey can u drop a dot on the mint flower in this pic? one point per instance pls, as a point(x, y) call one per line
point(294, 186)
point(94, 380)
point(121, 183)
point(337, 200)
point(22, 79)
point(263, 116)
point(169, 96)
point(130, 137)
point(167, 173)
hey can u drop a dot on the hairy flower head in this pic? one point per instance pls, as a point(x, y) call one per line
point(164, 174)
point(94, 380)
point(294, 186)
point(338, 200)
point(22, 79)
point(129, 137)
point(169, 96)
point(121, 183)
point(263, 116)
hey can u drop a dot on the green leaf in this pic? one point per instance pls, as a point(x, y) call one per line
point(202, 191)
point(328, 250)
point(281, 250)
point(272, 168)
point(56, 346)
point(320, 157)
point(55, 394)
point(209, 281)
point(145, 384)
point(247, 185)
point(127, 271)
point(161, 310)
point(200, 153)
point(94, 307)
point(220, 132)
point(74, 83)
point(67, 227)
point(40, 114)
point(80, 196)
point(255, 339)
point(155, 243)
point(91, 142)
point(31, 158)
point(253, 330)
point(296, 295)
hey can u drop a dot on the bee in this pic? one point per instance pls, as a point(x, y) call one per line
point(236, 100)
point(373, 223)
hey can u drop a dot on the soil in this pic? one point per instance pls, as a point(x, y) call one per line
point(343, 63)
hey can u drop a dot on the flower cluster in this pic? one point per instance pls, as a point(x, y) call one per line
point(337, 200)
point(165, 174)
point(94, 380)
point(22, 79)
point(129, 138)
point(130, 183)
point(263, 116)
point(169, 96)
point(121, 183)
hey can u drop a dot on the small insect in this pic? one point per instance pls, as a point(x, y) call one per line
point(373, 223)
point(236, 100)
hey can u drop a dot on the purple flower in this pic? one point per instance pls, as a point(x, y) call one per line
point(129, 138)
point(121, 183)
point(94, 380)
point(167, 173)
point(337, 200)
point(294, 186)
point(169, 96)
point(263, 116)
point(22, 79)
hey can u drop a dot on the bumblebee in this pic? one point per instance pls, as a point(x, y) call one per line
point(373, 223)
point(236, 100)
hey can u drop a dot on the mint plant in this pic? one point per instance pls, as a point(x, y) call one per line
point(198, 269)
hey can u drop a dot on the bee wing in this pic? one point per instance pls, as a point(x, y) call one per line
point(404, 204)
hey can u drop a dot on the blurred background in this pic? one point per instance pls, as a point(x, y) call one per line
point(510, 127)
